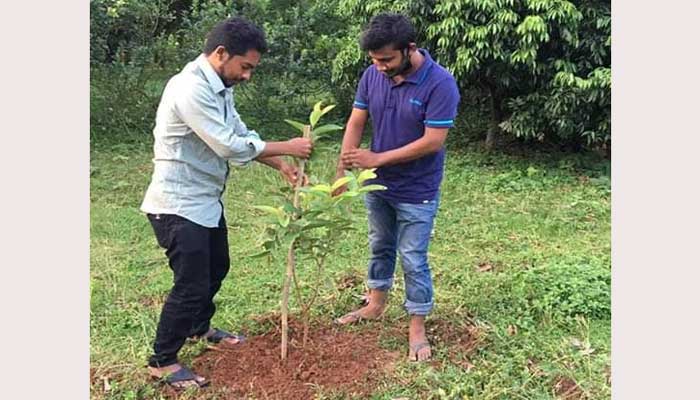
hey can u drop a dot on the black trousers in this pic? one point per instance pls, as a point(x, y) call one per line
point(199, 259)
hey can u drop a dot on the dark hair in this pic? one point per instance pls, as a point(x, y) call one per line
point(388, 29)
point(237, 35)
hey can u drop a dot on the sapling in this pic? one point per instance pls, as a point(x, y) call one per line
point(310, 224)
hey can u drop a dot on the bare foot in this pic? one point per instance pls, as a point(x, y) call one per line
point(418, 346)
point(171, 369)
point(366, 312)
point(373, 310)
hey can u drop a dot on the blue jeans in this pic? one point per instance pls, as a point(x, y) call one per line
point(404, 227)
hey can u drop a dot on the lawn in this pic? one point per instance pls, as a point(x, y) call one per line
point(520, 259)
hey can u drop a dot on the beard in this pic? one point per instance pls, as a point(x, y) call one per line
point(402, 68)
point(230, 82)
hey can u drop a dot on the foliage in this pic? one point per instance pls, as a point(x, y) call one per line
point(538, 70)
point(132, 40)
point(123, 102)
point(568, 291)
point(320, 220)
point(310, 222)
point(132, 32)
point(544, 65)
point(303, 38)
point(135, 46)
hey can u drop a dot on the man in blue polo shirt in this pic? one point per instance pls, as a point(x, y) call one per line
point(412, 102)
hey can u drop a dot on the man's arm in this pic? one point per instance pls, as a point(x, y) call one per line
point(289, 171)
point(275, 162)
point(197, 107)
point(441, 110)
point(431, 142)
point(352, 137)
point(297, 147)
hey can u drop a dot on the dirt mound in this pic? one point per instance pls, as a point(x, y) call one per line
point(335, 359)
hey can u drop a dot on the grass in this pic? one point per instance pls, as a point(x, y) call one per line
point(521, 253)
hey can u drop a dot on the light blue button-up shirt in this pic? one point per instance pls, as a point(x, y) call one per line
point(198, 131)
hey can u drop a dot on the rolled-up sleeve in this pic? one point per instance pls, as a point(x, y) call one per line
point(196, 106)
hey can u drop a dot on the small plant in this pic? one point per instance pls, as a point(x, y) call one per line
point(310, 222)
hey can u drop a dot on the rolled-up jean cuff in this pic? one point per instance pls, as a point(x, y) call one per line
point(380, 284)
point(418, 308)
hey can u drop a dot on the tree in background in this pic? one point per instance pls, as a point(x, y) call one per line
point(543, 65)
point(533, 69)
point(136, 44)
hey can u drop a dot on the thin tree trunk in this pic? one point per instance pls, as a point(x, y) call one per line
point(495, 119)
point(290, 257)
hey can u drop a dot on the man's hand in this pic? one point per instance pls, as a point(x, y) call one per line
point(291, 174)
point(300, 147)
point(361, 158)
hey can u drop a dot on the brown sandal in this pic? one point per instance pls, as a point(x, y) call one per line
point(177, 380)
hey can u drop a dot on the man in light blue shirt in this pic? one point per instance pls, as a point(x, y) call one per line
point(198, 133)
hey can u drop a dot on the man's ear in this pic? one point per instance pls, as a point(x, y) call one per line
point(221, 53)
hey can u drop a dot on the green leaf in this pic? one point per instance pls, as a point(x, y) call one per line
point(312, 213)
point(295, 124)
point(371, 188)
point(314, 117)
point(305, 189)
point(365, 175)
point(322, 187)
point(327, 109)
point(340, 182)
point(315, 114)
point(324, 149)
point(326, 128)
point(283, 220)
point(349, 193)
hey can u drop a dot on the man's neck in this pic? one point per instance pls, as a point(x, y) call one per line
point(417, 59)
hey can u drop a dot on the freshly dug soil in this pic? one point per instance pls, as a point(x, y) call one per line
point(335, 359)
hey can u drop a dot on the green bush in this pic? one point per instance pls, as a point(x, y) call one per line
point(551, 292)
point(123, 101)
point(136, 46)
point(567, 290)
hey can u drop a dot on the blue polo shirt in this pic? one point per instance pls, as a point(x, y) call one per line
point(399, 115)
